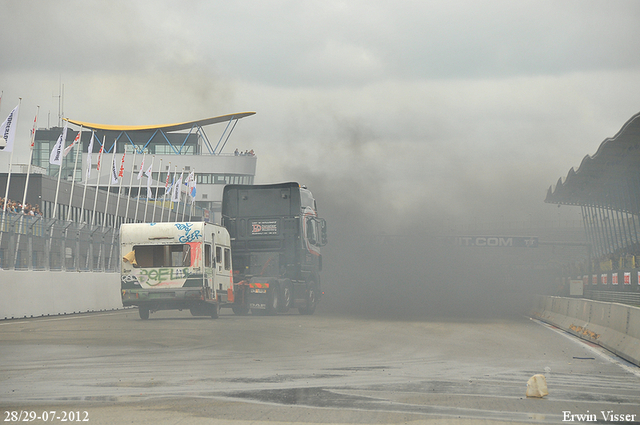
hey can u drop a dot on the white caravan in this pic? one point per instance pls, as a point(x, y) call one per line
point(176, 266)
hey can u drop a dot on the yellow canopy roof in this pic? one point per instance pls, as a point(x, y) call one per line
point(167, 127)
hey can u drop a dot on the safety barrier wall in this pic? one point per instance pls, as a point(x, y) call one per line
point(40, 293)
point(613, 326)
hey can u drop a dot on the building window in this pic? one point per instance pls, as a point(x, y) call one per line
point(211, 178)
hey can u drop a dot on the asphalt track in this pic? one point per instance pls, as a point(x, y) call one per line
point(178, 369)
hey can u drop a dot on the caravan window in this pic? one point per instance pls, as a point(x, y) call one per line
point(207, 255)
point(163, 255)
point(227, 259)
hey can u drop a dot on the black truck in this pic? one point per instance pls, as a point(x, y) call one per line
point(276, 239)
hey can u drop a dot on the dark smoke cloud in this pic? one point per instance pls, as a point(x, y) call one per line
point(399, 263)
point(417, 273)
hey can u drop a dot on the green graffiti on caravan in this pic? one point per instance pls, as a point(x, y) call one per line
point(154, 277)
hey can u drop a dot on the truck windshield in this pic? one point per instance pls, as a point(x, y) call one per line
point(163, 255)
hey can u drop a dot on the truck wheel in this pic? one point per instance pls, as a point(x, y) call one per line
point(143, 312)
point(273, 302)
point(312, 299)
point(240, 310)
point(286, 296)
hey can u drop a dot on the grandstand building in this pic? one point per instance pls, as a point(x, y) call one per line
point(174, 149)
point(606, 186)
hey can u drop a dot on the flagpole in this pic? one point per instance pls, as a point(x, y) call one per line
point(186, 197)
point(58, 149)
point(26, 186)
point(193, 198)
point(33, 137)
point(6, 191)
point(177, 189)
point(73, 177)
point(115, 220)
point(87, 175)
point(166, 185)
point(77, 139)
point(106, 202)
point(95, 198)
point(144, 154)
point(95, 203)
point(173, 186)
point(155, 198)
point(149, 180)
point(63, 137)
point(83, 216)
point(126, 211)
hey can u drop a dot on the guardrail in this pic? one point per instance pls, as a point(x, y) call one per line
point(613, 326)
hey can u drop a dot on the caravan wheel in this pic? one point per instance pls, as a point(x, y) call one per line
point(215, 309)
point(143, 312)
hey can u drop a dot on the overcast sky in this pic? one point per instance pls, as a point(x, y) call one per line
point(463, 109)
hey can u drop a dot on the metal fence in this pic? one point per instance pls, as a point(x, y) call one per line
point(37, 243)
point(629, 298)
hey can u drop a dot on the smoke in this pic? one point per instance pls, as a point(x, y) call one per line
point(403, 131)
point(370, 270)
point(390, 253)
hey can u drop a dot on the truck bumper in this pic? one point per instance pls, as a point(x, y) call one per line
point(258, 298)
point(161, 299)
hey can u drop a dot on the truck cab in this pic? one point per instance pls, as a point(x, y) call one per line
point(276, 240)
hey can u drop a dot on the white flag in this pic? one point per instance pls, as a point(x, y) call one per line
point(192, 186)
point(68, 148)
point(177, 190)
point(114, 171)
point(148, 172)
point(56, 153)
point(8, 131)
point(100, 158)
point(121, 172)
point(148, 187)
point(89, 154)
point(33, 131)
point(141, 169)
point(168, 186)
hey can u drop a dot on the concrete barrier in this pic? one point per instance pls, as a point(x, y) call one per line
point(40, 293)
point(613, 326)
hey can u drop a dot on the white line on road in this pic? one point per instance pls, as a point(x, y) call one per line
point(67, 317)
